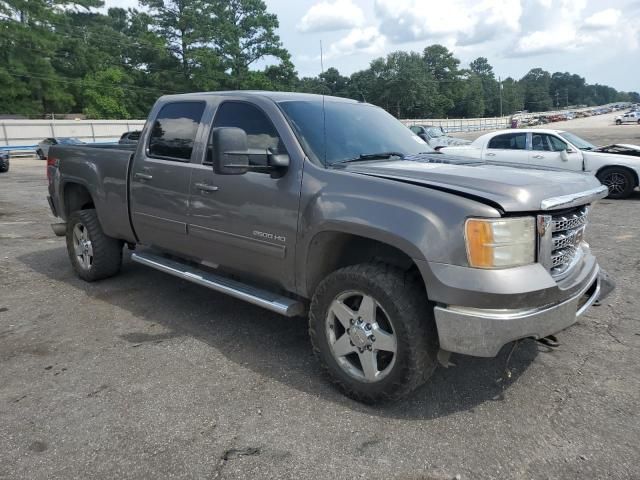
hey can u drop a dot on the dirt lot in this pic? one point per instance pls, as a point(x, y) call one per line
point(146, 376)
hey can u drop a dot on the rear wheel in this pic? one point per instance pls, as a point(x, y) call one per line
point(93, 254)
point(638, 121)
point(372, 328)
point(618, 122)
point(40, 154)
point(619, 181)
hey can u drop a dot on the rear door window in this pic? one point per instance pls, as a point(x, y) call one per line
point(509, 141)
point(174, 131)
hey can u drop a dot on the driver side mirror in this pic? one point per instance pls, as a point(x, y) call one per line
point(229, 151)
point(231, 155)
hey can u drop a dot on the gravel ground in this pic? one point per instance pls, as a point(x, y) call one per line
point(147, 376)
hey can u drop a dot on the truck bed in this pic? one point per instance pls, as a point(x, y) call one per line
point(103, 171)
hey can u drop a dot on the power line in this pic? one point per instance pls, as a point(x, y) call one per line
point(79, 82)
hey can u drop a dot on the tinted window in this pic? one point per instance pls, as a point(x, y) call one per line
point(557, 145)
point(261, 134)
point(134, 136)
point(509, 141)
point(416, 129)
point(345, 130)
point(174, 130)
point(540, 142)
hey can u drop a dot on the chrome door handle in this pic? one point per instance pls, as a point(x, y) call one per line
point(203, 187)
point(143, 176)
point(538, 156)
point(491, 154)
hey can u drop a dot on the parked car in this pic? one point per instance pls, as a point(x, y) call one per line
point(130, 138)
point(436, 137)
point(614, 165)
point(4, 161)
point(632, 117)
point(304, 204)
point(42, 149)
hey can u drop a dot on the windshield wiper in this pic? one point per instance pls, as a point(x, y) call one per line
point(370, 156)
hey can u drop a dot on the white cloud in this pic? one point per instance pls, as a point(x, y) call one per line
point(462, 22)
point(359, 40)
point(603, 19)
point(328, 16)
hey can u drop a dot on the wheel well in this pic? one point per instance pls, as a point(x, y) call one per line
point(330, 251)
point(633, 173)
point(76, 197)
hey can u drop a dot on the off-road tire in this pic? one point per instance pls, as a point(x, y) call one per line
point(107, 251)
point(405, 301)
point(622, 190)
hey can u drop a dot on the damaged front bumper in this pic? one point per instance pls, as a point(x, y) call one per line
point(483, 332)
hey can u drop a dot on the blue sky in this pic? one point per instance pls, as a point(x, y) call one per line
point(593, 38)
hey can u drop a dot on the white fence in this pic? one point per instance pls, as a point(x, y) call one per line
point(27, 133)
point(463, 124)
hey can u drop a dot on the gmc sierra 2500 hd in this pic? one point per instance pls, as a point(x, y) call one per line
point(308, 204)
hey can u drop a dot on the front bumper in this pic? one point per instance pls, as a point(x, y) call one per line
point(483, 332)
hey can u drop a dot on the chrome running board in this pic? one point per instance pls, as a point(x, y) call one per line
point(257, 296)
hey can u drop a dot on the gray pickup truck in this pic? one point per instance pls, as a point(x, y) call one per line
point(315, 205)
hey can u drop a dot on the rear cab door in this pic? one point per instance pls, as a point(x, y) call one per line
point(161, 173)
point(507, 148)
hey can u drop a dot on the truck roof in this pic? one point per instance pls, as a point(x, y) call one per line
point(274, 96)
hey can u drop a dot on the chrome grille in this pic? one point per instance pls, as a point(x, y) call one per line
point(560, 236)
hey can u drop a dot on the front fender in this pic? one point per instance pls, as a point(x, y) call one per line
point(424, 223)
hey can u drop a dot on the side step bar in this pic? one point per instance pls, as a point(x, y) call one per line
point(257, 296)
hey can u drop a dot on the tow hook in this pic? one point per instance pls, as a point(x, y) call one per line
point(549, 341)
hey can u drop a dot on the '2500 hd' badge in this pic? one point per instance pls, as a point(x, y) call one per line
point(270, 236)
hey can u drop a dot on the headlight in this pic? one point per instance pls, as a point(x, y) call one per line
point(500, 242)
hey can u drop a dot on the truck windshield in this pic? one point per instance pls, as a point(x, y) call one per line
point(349, 131)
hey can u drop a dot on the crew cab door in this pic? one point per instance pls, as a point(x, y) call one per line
point(550, 151)
point(161, 173)
point(248, 223)
point(507, 148)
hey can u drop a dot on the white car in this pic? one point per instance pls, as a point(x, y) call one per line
point(630, 117)
point(616, 166)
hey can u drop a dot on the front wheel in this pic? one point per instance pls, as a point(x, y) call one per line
point(93, 254)
point(619, 181)
point(372, 328)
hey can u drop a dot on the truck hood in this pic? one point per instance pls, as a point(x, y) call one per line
point(511, 189)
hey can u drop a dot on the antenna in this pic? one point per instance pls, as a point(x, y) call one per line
point(321, 59)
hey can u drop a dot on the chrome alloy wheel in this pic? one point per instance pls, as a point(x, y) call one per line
point(361, 336)
point(82, 246)
point(616, 182)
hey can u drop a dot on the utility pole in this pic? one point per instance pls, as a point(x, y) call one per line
point(500, 88)
point(321, 59)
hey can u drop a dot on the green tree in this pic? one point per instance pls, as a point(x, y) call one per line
point(106, 102)
point(490, 88)
point(444, 68)
point(536, 86)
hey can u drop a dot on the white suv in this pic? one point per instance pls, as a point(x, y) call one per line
point(631, 117)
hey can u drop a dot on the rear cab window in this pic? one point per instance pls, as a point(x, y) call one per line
point(174, 131)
